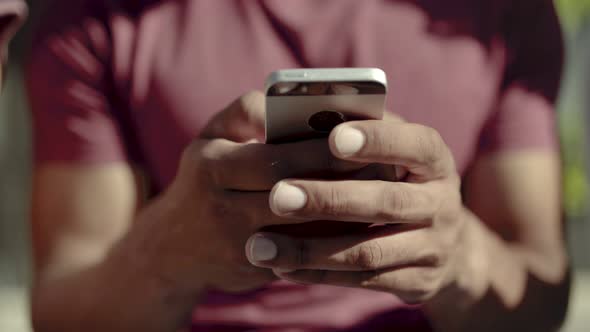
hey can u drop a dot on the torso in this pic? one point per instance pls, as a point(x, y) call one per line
point(440, 74)
point(192, 58)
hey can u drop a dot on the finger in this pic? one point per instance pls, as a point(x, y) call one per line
point(242, 120)
point(379, 248)
point(364, 201)
point(258, 167)
point(254, 206)
point(413, 285)
point(418, 148)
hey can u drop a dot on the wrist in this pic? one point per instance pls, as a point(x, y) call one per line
point(473, 269)
point(142, 253)
point(147, 289)
point(468, 279)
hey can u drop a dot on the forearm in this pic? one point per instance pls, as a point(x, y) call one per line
point(504, 287)
point(114, 295)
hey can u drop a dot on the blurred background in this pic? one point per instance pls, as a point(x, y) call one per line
point(574, 121)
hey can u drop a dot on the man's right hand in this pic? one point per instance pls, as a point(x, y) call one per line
point(101, 264)
point(194, 235)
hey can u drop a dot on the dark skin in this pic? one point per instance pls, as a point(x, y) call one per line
point(201, 231)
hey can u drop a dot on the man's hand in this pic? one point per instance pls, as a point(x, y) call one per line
point(420, 243)
point(194, 234)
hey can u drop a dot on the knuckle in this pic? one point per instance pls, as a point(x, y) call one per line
point(335, 205)
point(210, 156)
point(251, 99)
point(426, 203)
point(191, 161)
point(431, 282)
point(213, 150)
point(395, 204)
point(430, 145)
point(430, 201)
point(380, 140)
point(329, 202)
point(368, 256)
point(192, 152)
point(421, 287)
point(251, 102)
point(448, 211)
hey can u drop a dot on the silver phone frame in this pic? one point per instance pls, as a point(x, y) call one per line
point(289, 122)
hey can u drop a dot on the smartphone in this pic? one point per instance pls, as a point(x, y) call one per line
point(308, 103)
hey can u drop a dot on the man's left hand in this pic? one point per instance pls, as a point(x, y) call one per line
point(419, 241)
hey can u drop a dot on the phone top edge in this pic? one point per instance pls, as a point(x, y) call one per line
point(326, 75)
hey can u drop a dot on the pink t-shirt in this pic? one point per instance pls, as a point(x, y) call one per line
point(135, 81)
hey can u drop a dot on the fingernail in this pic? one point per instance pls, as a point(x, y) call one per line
point(287, 198)
point(349, 140)
point(262, 249)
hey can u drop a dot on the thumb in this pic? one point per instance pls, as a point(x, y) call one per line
point(241, 121)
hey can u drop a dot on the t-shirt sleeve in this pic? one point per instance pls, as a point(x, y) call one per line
point(70, 93)
point(525, 115)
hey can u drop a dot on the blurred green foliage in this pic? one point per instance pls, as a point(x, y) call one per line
point(574, 15)
point(573, 12)
point(575, 190)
